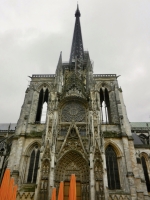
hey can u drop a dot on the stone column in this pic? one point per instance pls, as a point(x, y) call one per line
point(37, 189)
point(130, 174)
point(15, 157)
point(142, 178)
point(51, 175)
point(105, 181)
point(92, 180)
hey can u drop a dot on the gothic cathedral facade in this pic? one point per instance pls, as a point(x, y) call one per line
point(75, 122)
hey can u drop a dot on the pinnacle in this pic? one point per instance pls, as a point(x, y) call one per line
point(77, 13)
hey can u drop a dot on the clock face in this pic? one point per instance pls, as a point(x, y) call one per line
point(73, 112)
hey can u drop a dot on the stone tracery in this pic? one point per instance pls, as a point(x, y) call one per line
point(98, 174)
point(44, 179)
point(73, 112)
point(73, 163)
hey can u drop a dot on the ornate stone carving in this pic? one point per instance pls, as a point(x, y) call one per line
point(46, 154)
point(118, 197)
point(72, 142)
point(25, 195)
point(72, 163)
point(98, 173)
point(73, 112)
point(44, 179)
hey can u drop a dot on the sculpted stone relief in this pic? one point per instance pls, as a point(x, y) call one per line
point(44, 180)
point(72, 159)
point(98, 173)
point(72, 142)
point(45, 174)
point(119, 197)
point(72, 163)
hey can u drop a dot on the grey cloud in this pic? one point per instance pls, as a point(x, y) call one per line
point(116, 33)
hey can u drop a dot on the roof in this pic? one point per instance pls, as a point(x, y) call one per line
point(7, 126)
point(140, 124)
point(136, 139)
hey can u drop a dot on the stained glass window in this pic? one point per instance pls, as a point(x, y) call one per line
point(112, 169)
point(33, 166)
point(145, 173)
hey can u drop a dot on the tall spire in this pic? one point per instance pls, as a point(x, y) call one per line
point(77, 50)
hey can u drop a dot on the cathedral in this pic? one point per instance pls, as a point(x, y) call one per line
point(75, 122)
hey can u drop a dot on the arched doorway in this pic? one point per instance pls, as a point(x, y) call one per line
point(73, 163)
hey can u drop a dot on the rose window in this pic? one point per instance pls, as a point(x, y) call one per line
point(73, 112)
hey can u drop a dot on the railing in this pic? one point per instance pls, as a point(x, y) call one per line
point(139, 128)
point(104, 75)
point(43, 75)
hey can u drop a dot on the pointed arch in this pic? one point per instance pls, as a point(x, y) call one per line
point(145, 155)
point(103, 84)
point(43, 98)
point(115, 146)
point(105, 105)
point(30, 147)
point(144, 160)
point(33, 165)
point(43, 85)
point(72, 161)
point(112, 168)
point(31, 159)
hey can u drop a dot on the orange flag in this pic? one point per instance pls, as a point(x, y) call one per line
point(5, 185)
point(14, 192)
point(61, 191)
point(53, 194)
point(72, 189)
point(10, 191)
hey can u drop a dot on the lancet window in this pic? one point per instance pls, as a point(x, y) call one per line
point(145, 173)
point(42, 106)
point(112, 169)
point(105, 105)
point(33, 165)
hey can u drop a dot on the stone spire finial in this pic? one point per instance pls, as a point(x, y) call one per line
point(77, 13)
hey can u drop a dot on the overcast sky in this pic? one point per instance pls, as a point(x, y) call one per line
point(115, 32)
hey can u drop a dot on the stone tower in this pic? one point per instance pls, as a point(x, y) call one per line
point(75, 122)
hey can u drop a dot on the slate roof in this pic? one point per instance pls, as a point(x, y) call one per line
point(7, 126)
point(139, 124)
point(136, 139)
